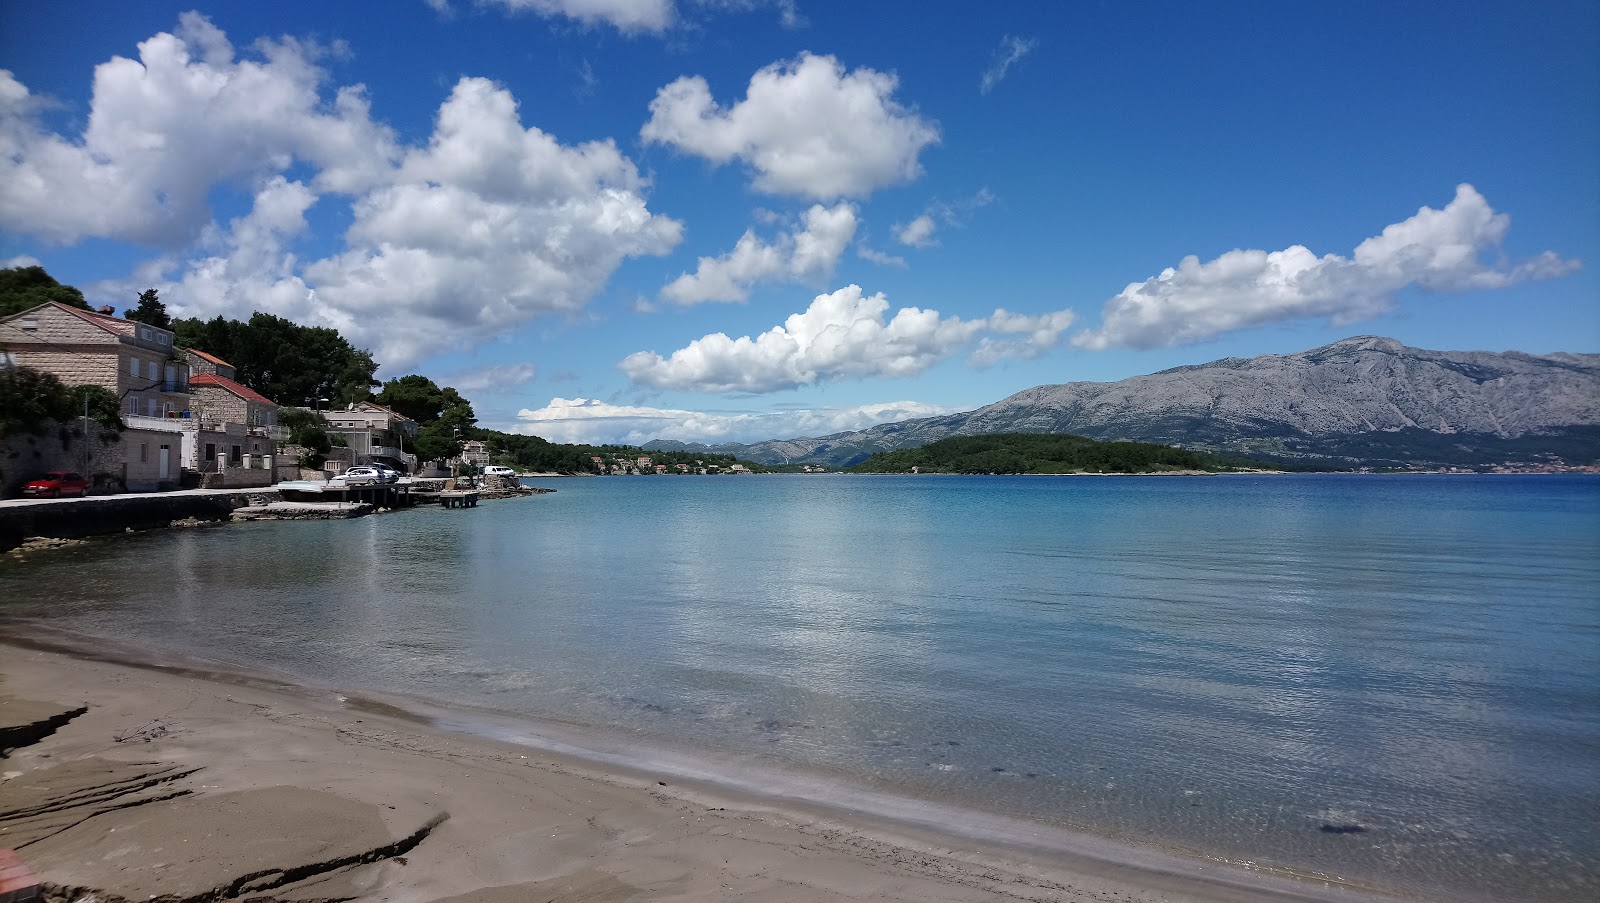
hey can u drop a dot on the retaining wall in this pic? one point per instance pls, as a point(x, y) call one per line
point(79, 518)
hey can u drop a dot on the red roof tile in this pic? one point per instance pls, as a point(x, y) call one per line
point(210, 357)
point(245, 392)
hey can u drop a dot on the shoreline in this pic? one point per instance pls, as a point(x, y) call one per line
point(247, 732)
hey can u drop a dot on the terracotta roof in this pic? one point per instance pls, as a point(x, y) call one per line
point(222, 382)
point(210, 357)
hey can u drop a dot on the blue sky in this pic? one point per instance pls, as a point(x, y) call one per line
point(613, 220)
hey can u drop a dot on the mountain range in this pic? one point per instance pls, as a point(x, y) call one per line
point(1365, 401)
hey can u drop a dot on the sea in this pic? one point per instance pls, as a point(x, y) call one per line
point(1391, 679)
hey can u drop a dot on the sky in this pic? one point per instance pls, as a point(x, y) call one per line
point(736, 220)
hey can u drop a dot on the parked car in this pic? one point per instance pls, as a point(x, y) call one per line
point(56, 484)
point(389, 474)
point(357, 476)
point(498, 470)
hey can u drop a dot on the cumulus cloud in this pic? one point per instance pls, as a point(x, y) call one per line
point(1010, 52)
point(806, 254)
point(1435, 250)
point(842, 335)
point(498, 377)
point(165, 129)
point(625, 15)
point(806, 128)
point(21, 260)
point(594, 422)
point(488, 225)
point(1020, 336)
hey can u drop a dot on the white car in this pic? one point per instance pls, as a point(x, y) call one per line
point(358, 476)
point(498, 470)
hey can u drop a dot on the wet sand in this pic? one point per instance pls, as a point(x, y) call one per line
point(191, 784)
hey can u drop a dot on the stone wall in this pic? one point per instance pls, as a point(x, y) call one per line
point(218, 403)
point(79, 518)
point(59, 446)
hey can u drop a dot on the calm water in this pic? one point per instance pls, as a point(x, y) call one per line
point(1232, 665)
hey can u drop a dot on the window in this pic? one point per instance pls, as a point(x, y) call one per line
point(144, 333)
point(144, 452)
point(211, 451)
point(163, 338)
point(237, 456)
point(151, 369)
point(30, 324)
point(133, 367)
point(133, 406)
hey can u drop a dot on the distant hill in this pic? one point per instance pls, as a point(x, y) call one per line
point(1362, 401)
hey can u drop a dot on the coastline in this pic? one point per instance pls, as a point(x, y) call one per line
point(517, 816)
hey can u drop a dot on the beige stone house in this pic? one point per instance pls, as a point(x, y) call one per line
point(219, 399)
point(79, 347)
point(375, 433)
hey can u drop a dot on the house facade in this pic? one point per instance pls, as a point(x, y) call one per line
point(374, 433)
point(222, 400)
point(136, 361)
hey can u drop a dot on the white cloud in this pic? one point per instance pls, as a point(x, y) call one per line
point(806, 254)
point(1435, 250)
point(498, 377)
point(842, 335)
point(918, 233)
point(806, 127)
point(1011, 51)
point(872, 255)
point(21, 260)
point(164, 130)
point(625, 15)
point(1030, 337)
point(487, 226)
point(590, 421)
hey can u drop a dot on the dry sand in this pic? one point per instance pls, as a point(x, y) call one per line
point(189, 786)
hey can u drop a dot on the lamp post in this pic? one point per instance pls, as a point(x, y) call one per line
point(86, 474)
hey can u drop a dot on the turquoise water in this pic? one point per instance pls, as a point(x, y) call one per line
point(1393, 679)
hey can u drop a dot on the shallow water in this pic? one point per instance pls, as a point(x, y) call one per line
point(1392, 679)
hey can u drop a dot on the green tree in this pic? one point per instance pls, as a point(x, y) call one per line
point(289, 363)
point(22, 288)
point(31, 398)
point(445, 419)
point(307, 429)
point(151, 310)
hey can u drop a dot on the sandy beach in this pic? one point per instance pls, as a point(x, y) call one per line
point(187, 784)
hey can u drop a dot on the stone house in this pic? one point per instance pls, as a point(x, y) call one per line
point(136, 361)
point(475, 452)
point(203, 362)
point(374, 433)
point(219, 399)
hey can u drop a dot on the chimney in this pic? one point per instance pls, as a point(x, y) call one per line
point(108, 310)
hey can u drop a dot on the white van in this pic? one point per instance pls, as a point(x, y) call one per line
point(498, 470)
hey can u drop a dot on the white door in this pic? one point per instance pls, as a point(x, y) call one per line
point(166, 465)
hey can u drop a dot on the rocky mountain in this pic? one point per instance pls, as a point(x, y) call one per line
point(1364, 400)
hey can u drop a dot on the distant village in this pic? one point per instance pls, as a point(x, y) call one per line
point(189, 423)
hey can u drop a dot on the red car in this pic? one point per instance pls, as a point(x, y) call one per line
point(56, 484)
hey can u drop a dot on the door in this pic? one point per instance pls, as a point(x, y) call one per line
point(166, 461)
